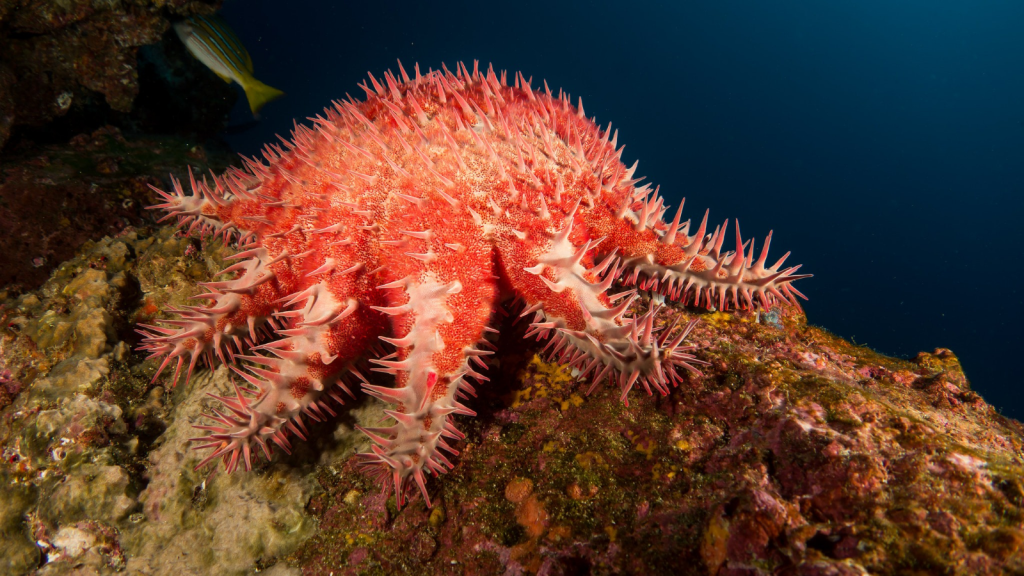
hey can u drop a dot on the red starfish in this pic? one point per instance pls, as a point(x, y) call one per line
point(410, 218)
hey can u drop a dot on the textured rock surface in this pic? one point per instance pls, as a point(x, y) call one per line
point(96, 184)
point(797, 453)
point(60, 59)
point(97, 469)
point(224, 522)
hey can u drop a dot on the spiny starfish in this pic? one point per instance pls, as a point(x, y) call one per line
point(409, 218)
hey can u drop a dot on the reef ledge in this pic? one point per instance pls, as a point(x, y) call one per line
point(796, 453)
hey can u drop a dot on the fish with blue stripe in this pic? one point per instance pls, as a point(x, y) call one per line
point(213, 43)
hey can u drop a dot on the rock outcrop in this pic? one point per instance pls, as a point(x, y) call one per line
point(796, 453)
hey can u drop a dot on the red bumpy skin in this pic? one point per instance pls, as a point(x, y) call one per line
point(409, 218)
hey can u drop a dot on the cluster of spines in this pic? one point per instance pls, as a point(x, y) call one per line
point(665, 350)
point(423, 399)
point(624, 349)
point(205, 331)
point(736, 278)
point(194, 212)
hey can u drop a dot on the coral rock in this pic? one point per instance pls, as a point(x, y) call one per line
point(84, 203)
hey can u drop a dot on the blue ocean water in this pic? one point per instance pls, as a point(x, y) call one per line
point(882, 141)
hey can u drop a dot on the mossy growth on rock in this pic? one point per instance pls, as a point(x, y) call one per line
point(796, 452)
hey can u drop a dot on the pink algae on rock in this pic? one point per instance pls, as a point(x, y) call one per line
point(781, 459)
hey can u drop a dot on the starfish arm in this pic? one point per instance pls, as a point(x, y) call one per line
point(571, 304)
point(318, 300)
point(663, 259)
point(215, 208)
point(440, 293)
point(324, 336)
point(238, 315)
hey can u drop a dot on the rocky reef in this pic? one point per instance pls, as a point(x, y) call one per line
point(796, 453)
point(53, 198)
point(73, 66)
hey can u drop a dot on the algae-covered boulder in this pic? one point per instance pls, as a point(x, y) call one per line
point(56, 197)
point(90, 493)
point(98, 471)
point(794, 453)
point(20, 554)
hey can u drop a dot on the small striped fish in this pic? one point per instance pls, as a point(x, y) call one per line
point(210, 40)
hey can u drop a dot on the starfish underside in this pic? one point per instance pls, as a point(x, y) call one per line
point(410, 219)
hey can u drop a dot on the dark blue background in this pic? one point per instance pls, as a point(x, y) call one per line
point(882, 141)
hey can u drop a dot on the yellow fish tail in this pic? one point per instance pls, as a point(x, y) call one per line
point(259, 93)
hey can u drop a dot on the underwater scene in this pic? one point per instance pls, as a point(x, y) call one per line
point(523, 288)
